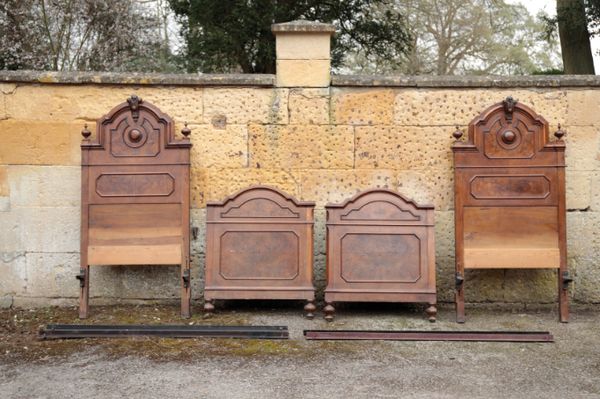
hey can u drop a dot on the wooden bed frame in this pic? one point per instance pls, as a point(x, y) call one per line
point(380, 248)
point(259, 245)
point(135, 195)
point(510, 197)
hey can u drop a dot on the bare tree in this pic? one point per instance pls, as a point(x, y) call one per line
point(116, 35)
point(469, 36)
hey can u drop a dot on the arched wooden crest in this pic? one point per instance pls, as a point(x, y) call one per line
point(136, 132)
point(380, 247)
point(259, 246)
point(135, 194)
point(510, 196)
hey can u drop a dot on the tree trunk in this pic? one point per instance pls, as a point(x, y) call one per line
point(574, 37)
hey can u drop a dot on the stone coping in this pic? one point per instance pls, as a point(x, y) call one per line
point(302, 26)
point(466, 81)
point(159, 79)
point(137, 78)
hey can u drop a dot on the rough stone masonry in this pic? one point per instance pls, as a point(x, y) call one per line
point(316, 138)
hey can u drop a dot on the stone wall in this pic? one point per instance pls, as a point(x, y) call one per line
point(316, 143)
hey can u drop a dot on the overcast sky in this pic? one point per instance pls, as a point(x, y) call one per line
point(549, 6)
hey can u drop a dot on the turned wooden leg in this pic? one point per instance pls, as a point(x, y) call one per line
point(84, 291)
point(329, 310)
point(431, 312)
point(209, 307)
point(310, 308)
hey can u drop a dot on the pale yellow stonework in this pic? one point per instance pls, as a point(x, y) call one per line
point(363, 106)
point(301, 146)
point(303, 73)
point(294, 46)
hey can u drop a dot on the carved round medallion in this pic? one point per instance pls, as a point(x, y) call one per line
point(135, 137)
point(509, 139)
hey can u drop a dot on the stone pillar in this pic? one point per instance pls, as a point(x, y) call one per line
point(303, 53)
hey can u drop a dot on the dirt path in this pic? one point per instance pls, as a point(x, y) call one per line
point(160, 368)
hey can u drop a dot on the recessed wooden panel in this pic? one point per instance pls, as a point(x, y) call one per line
point(510, 197)
point(260, 208)
point(380, 210)
point(135, 185)
point(259, 246)
point(383, 258)
point(380, 247)
point(135, 195)
point(140, 139)
point(259, 255)
point(509, 139)
point(510, 187)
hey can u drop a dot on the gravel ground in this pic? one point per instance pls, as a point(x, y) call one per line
point(196, 368)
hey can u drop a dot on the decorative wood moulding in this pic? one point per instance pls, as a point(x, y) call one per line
point(259, 246)
point(135, 195)
point(380, 248)
point(510, 197)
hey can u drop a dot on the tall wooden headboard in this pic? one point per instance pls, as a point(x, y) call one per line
point(135, 194)
point(510, 197)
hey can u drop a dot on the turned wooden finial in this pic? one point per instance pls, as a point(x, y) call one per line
point(86, 132)
point(186, 131)
point(457, 134)
point(559, 134)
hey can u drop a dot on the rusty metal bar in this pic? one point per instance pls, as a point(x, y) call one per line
point(61, 331)
point(473, 336)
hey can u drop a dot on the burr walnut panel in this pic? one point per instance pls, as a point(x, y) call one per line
point(510, 197)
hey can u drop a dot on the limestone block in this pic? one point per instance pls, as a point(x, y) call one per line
point(11, 231)
point(444, 255)
point(578, 189)
point(43, 103)
point(198, 219)
point(294, 46)
point(48, 229)
point(337, 185)
point(225, 148)
point(52, 274)
point(14, 273)
point(309, 106)
point(245, 105)
point(198, 187)
point(451, 107)
point(392, 147)
point(6, 90)
point(90, 102)
point(222, 183)
point(431, 186)
point(303, 73)
point(595, 191)
point(583, 147)
point(530, 286)
point(583, 252)
point(583, 107)
point(4, 190)
point(320, 232)
point(362, 106)
point(4, 186)
point(301, 146)
point(39, 143)
point(45, 186)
